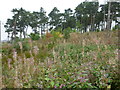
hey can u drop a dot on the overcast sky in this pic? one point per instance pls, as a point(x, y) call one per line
point(33, 5)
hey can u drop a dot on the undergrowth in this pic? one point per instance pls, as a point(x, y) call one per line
point(88, 60)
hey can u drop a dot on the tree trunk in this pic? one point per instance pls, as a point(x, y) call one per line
point(93, 24)
point(26, 30)
point(108, 18)
point(41, 30)
point(24, 34)
point(91, 29)
point(85, 29)
point(104, 21)
point(20, 35)
point(14, 30)
point(8, 36)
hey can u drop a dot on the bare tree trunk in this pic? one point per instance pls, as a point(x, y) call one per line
point(14, 32)
point(41, 30)
point(104, 20)
point(8, 36)
point(91, 22)
point(20, 34)
point(24, 34)
point(26, 30)
point(108, 18)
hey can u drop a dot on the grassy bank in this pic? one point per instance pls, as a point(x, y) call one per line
point(88, 60)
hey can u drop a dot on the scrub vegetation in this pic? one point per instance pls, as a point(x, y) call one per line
point(77, 49)
point(88, 60)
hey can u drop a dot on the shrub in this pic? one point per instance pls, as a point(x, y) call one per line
point(66, 33)
point(56, 34)
point(61, 65)
point(117, 27)
point(34, 36)
point(48, 35)
point(25, 46)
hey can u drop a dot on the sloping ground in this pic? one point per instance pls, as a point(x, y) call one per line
point(88, 60)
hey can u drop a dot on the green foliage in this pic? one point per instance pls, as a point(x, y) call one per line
point(34, 36)
point(25, 45)
point(55, 17)
point(50, 46)
point(56, 34)
point(87, 15)
point(97, 30)
point(6, 49)
point(62, 65)
point(78, 26)
point(66, 33)
point(59, 29)
point(117, 27)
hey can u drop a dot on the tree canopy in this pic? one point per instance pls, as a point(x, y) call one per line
point(87, 16)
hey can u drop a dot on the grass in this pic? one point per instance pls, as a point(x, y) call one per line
point(88, 60)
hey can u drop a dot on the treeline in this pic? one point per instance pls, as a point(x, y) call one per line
point(88, 16)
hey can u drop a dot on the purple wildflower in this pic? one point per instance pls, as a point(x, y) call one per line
point(55, 86)
point(62, 85)
point(82, 79)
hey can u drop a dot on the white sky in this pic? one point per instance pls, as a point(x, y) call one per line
point(33, 5)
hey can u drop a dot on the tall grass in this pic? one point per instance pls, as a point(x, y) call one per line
point(84, 61)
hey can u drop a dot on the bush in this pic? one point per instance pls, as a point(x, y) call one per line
point(62, 65)
point(117, 27)
point(66, 33)
point(34, 36)
point(56, 34)
point(25, 46)
point(48, 35)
